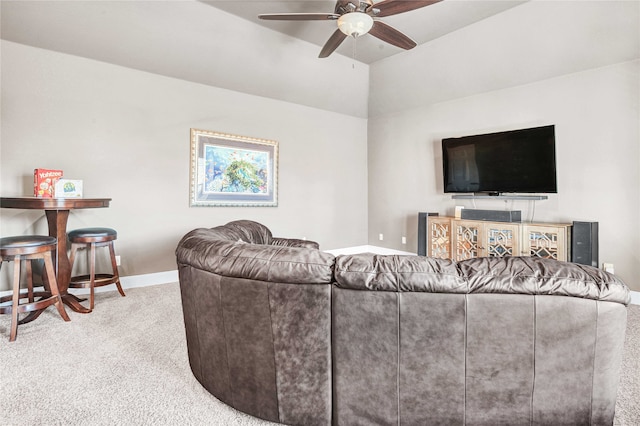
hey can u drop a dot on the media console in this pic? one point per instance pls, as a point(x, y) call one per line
point(458, 239)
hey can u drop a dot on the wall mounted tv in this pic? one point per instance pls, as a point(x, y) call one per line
point(515, 161)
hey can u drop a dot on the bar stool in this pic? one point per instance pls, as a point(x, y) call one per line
point(30, 248)
point(91, 238)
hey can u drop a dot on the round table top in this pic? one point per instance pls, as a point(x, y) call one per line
point(53, 203)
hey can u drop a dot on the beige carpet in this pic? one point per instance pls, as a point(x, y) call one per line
point(126, 364)
point(628, 402)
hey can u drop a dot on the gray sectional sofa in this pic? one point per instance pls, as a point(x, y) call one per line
point(288, 333)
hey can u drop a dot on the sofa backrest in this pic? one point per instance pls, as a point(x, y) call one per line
point(246, 231)
point(250, 231)
point(490, 341)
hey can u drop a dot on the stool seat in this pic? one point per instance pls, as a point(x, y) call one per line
point(30, 248)
point(96, 234)
point(26, 244)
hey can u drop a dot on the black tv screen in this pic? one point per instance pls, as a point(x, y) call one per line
point(515, 161)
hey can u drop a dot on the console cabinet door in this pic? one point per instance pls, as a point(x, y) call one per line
point(439, 238)
point(501, 239)
point(485, 239)
point(549, 242)
point(467, 239)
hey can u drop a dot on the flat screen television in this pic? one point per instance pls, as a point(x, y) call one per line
point(515, 161)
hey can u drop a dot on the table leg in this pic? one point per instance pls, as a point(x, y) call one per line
point(57, 220)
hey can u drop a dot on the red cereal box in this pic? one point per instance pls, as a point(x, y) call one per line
point(44, 182)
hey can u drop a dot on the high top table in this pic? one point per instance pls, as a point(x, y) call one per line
point(57, 212)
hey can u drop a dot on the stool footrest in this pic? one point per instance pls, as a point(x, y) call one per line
point(83, 281)
point(25, 295)
point(31, 306)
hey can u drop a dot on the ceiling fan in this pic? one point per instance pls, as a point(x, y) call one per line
point(356, 18)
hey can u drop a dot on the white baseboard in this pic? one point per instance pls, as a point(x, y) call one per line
point(135, 281)
point(132, 281)
point(635, 297)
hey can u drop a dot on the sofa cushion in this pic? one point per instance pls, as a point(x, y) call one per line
point(369, 271)
point(531, 275)
point(509, 275)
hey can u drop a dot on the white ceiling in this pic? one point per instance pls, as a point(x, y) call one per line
point(421, 25)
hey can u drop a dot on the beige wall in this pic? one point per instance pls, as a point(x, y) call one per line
point(598, 158)
point(125, 133)
point(79, 114)
point(572, 64)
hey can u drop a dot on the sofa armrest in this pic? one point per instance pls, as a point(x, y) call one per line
point(294, 242)
point(202, 249)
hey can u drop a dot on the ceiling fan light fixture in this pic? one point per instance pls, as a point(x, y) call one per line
point(355, 24)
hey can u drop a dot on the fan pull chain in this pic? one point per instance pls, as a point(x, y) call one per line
point(355, 41)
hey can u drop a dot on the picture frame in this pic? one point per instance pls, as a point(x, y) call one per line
point(232, 170)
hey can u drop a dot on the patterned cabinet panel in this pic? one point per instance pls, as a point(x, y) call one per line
point(468, 238)
point(439, 237)
point(451, 238)
point(501, 239)
point(547, 241)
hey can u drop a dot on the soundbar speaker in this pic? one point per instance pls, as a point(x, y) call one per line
point(584, 243)
point(492, 215)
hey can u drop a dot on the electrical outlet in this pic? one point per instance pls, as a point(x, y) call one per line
point(404, 240)
point(117, 260)
point(381, 237)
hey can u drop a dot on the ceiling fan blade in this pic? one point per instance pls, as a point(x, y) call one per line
point(392, 36)
point(299, 16)
point(332, 44)
point(393, 7)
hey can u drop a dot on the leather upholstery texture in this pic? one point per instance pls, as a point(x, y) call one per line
point(297, 336)
point(258, 321)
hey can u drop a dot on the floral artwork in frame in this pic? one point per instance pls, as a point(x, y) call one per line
point(231, 170)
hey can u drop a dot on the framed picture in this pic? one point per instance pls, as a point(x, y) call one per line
point(231, 170)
